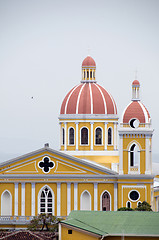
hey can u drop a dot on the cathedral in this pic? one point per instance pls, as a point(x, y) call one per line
point(102, 164)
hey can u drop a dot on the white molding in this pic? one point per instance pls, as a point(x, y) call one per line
point(65, 143)
point(33, 199)
point(68, 198)
point(59, 228)
point(58, 199)
point(23, 199)
point(91, 98)
point(90, 200)
point(130, 198)
point(106, 136)
point(76, 135)
point(78, 99)
point(75, 196)
point(115, 196)
point(91, 135)
point(10, 202)
point(15, 199)
point(101, 199)
point(69, 97)
point(80, 117)
point(120, 155)
point(147, 156)
point(95, 196)
point(93, 153)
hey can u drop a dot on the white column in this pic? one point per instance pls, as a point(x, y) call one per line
point(68, 198)
point(33, 199)
point(60, 135)
point(75, 196)
point(106, 136)
point(23, 199)
point(95, 196)
point(65, 145)
point(121, 154)
point(15, 199)
point(76, 135)
point(147, 160)
point(115, 135)
point(115, 196)
point(91, 135)
point(58, 199)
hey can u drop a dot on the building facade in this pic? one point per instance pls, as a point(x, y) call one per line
point(92, 171)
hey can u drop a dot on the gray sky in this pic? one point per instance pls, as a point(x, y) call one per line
point(42, 46)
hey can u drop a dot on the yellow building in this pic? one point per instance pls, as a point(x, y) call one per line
point(89, 172)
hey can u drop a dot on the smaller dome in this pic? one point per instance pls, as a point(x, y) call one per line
point(136, 82)
point(136, 110)
point(88, 62)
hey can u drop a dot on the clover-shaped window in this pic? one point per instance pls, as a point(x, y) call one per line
point(46, 164)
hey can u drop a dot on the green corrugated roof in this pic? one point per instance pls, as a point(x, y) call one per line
point(116, 223)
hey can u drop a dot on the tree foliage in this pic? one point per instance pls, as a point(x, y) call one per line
point(144, 206)
point(44, 222)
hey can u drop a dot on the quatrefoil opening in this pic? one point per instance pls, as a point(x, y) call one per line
point(46, 164)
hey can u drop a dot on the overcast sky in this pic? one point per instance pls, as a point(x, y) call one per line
point(42, 46)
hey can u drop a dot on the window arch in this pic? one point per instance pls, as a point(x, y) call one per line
point(71, 133)
point(105, 201)
point(110, 136)
point(85, 201)
point(128, 204)
point(98, 136)
point(46, 200)
point(6, 203)
point(84, 136)
point(63, 136)
point(134, 155)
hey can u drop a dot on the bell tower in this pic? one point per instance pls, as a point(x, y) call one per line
point(135, 137)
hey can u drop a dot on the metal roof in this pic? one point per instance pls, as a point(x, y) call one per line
point(115, 223)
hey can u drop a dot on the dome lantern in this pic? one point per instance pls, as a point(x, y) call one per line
point(135, 90)
point(88, 70)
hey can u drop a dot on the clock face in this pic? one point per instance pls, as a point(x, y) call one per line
point(134, 123)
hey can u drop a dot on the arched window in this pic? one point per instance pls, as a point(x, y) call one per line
point(128, 204)
point(84, 136)
point(63, 136)
point(109, 136)
point(71, 136)
point(105, 201)
point(46, 201)
point(6, 204)
point(134, 155)
point(85, 201)
point(98, 134)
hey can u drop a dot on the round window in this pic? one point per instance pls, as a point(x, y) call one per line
point(134, 195)
point(134, 123)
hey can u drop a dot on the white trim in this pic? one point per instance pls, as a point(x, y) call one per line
point(58, 199)
point(130, 198)
point(23, 199)
point(145, 112)
point(63, 137)
point(33, 199)
point(115, 196)
point(104, 101)
point(10, 202)
point(68, 198)
point(69, 97)
point(123, 113)
point(59, 228)
point(76, 135)
point(95, 196)
point(91, 97)
point(147, 156)
point(94, 117)
point(90, 199)
point(65, 143)
point(69, 136)
point(101, 199)
point(92, 153)
point(92, 135)
point(16, 199)
point(75, 196)
point(120, 154)
point(95, 136)
point(81, 138)
point(53, 199)
point(79, 95)
point(106, 136)
point(129, 167)
point(49, 167)
point(115, 111)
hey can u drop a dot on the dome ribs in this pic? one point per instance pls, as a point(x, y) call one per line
point(84, 106)
point(71, 106)
point(134, 110)
point(98, 103)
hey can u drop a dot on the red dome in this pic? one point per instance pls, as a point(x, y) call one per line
point(135, 82)
point(88, 98)
point(136, 110)
point(88, 62)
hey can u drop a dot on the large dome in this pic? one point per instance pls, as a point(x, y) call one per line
point(88, 98)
